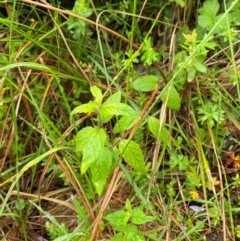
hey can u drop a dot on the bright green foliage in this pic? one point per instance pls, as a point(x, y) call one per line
point(149, 55)
point(77, 25)
point(209, 17)
point(145, 83)
point(44, 61)
point(54, 230)
point(195, 54)
point(178, 160)
point(85, 139)
point(117, 237)
point(85, 108)
point(126, 122)
point(111, 107)
point(120, 221)
point(90, 142)
point(139, 217)
point(132, 57)
point(101, 169)
point(163, 134)
point(97, 93)
point(238, 231)
point(132, 154)
point(208, 14)
point(193, 179)
point(133, 234)
point(115, 109)
point(236, 180)
point(200, 67)
point(172, 97)
point(91, 106)
point(210, 114)
point(170, 188)
point(114, 98)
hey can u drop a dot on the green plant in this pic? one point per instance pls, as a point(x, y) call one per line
point(148, 54)
point(210, 114)
point(209, 19)
point(125, 222)
point(152, 92)
point(78, 26)
point(236, 180)
point(56, 230)
point(93, 143)
point(192, 58)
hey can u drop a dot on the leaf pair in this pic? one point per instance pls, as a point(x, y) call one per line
point(120, 222)
point(107, 110)
point(92, 142)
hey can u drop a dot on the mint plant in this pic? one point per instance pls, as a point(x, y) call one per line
point(93, 145)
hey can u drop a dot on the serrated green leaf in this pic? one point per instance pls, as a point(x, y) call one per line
point(118, 219)
point(139, 217)
point(131, 233)
point(125, 123)
point(101, 169)
point(149, 55)
point(90, 141)
point(145, 83)
point(90, 137)
point(154, 127)
point(97, 93)
point(132, 154)
point(85, 108)
point(207, 17)
point(115, 109)
point(128, 206)
point(114, 98)
point(173, 98)
point(88, 158)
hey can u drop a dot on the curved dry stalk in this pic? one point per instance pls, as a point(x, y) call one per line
point(110, 190)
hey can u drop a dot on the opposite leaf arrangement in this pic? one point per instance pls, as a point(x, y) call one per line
point(93, 145)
